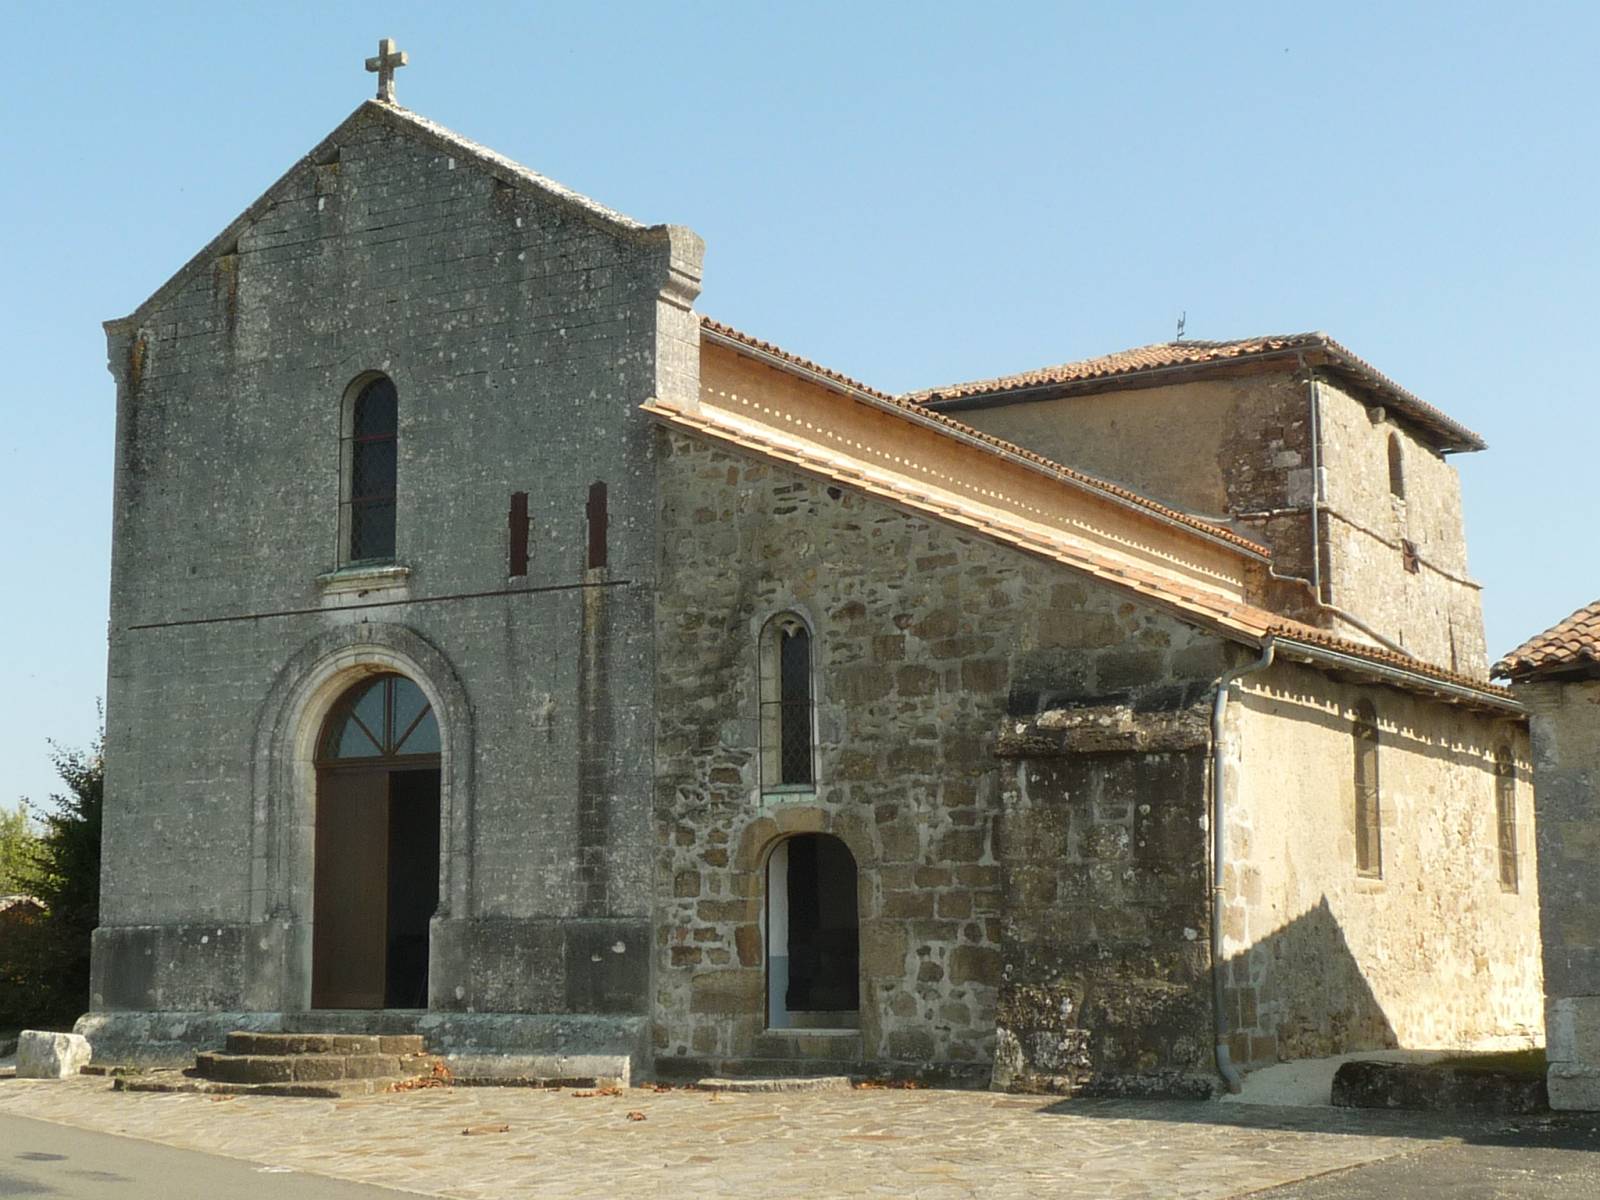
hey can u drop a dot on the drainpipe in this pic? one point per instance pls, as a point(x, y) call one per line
point(1317, 497)
point(1219, 855)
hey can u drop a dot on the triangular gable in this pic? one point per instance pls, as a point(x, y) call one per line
point(427, 132)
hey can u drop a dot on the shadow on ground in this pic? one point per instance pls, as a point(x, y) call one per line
point(1572, 1131)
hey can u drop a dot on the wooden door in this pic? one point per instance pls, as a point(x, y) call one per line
point(351, 897)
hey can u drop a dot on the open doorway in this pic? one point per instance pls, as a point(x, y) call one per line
point(376, 874)
point(813, 935)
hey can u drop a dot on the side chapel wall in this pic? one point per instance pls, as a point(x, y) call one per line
point(1323, 960)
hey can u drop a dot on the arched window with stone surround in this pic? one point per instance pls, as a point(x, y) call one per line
point(370, 461)
point(787, 740)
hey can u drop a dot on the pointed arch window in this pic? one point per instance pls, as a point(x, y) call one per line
point(371, 459)
point(787, 741)
point(1369, 812)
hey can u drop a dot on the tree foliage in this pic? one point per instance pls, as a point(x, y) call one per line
point(18, 846)
point(44, 962)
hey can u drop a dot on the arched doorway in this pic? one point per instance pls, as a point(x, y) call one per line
point(376, 869)
point(813, 935)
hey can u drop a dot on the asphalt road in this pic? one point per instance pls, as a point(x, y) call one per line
point(59, 1162)
point(1532, 1159)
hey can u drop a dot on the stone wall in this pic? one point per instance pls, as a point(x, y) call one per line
point(1435, 612)
point(924, 641)
point(1323, 960)
point(1105, 868)
point(1238, 450)
point(1566, 764)
point(522, 331)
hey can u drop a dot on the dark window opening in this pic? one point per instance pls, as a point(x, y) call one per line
point(599, 520)
point(786, 704)
point(1409, 556)
point(794, 720)
point(517, 558)
point(1397, 471)
point(373, 463)
point(1505, 804)
point(1368, 814)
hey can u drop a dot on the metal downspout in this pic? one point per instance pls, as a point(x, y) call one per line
point(1219, 855)
point(1317, 496)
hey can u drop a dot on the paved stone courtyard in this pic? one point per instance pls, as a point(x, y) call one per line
point(864, 1142)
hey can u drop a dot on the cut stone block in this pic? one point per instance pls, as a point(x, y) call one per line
point(42, 1055)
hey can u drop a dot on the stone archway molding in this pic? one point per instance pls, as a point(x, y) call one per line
point(284, 788)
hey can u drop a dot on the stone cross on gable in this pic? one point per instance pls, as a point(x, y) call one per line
point(389, 60)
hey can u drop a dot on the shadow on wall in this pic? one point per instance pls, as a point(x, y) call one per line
point(1299, 993)
point(1121, 1022)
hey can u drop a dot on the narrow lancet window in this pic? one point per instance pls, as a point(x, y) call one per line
point(371, 461)
point(1505, 811)
point(1368, 814)
point(787, 744)
point(599, 520)
point(1397, 468)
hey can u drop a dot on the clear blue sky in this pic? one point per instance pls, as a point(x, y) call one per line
point(911, 193)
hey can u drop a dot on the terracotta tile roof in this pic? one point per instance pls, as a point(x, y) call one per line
point(1243, 622)
point(1310, 634)
point(1573, 643)
point(1319, 349)
point(916, 412)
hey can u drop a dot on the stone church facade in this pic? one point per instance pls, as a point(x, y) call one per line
point(504, 651)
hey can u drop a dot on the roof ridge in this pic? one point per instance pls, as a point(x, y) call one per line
point(1241, 620)
point(1000, 445)
point(441, 136)
point(1195, 354)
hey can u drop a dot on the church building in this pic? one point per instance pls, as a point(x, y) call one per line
point(503, 651)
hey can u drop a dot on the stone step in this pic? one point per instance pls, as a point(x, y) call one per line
point(774, 1083)
point(177, 1081)
point(809, 1044)
point(310, 1068)
point(690, 1071)
point(251, 1043)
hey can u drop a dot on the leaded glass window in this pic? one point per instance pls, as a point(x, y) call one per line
point(371, 464)
point(787, 741)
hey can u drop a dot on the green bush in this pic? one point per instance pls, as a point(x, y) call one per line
point(44, 962)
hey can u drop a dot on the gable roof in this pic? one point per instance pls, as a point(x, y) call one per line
point(717, 331)
point(423, 130)
point(804, 444)
point(1569, 645)
point(1128, 367)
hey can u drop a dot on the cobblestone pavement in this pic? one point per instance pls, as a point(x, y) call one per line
point(867, 1142)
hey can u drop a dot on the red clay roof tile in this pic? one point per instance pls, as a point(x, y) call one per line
point(1574, 642)
point(1166, 356)
point(1067, 474)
